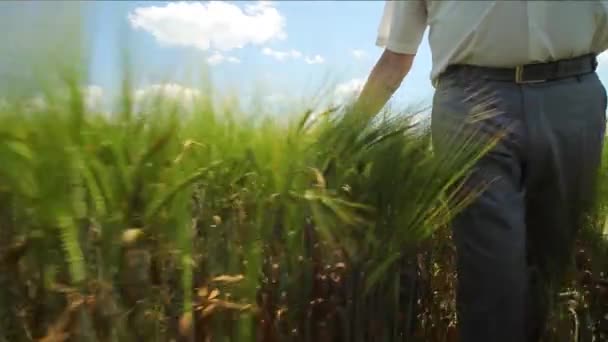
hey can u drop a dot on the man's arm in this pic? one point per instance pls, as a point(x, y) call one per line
point(400, 33)
point(384, 80)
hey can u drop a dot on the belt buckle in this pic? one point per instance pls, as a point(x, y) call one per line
point(519, 72)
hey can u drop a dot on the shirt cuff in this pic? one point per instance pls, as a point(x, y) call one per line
point(409, 49)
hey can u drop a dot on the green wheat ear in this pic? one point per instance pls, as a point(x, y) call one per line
point(70, 242)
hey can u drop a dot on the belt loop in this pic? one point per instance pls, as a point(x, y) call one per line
point(519, 71)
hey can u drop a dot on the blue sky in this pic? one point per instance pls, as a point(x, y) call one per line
point(319, 46)
point(282, 49)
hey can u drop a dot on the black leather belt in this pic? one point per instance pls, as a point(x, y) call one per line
point(534, 73)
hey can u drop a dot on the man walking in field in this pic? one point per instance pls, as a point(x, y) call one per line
point(526, 68)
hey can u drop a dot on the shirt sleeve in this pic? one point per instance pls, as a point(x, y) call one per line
point(601, 33)
point(402, 26)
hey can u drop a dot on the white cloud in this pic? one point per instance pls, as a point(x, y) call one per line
point(218, 58)
point(282, 55)
point(93, 97)
point(317, 59)
point(348, 90)
point(171, 90)
point(215, 24)
point(234, 60)
point(359, 54)
point(37, 102)
point(167, 91)
point(293, 54)
point(215, 59)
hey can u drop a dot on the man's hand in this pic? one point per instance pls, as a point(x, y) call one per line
point(384, 80)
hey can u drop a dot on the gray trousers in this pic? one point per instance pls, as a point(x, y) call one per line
point(515, 240)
